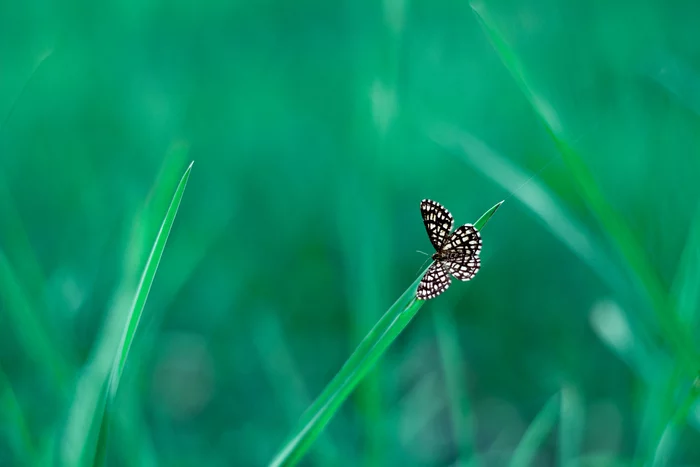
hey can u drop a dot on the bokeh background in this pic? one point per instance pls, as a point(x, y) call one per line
point(316, 129)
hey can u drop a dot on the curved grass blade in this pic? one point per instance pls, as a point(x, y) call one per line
point(461, 413)
point(12, 415)
point(372, 347)
point(134, 317)
point(618, 231)
point(536, 433)
point(80, 427)
point(685, 288)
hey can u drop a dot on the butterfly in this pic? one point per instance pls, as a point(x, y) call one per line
point(456, 253)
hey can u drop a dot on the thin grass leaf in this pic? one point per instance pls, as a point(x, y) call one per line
point(12, 415)
point(571, 426)
point(372, 347)
point(29, 328)
point(81, 427)
point(460, 407)
point(685, 288)
point(619, 233)
point(134, 317)
point(536, 433)
point(364, 248)
point(290, 389)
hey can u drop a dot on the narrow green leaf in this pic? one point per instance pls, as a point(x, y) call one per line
point(31, 332)
point(455, 377)
point(12, 415)
point(485, 217)
point(80, 429)
point(618, 231)
point(536, 433)
point(134, 317)
point(685, 289)
point(571, 426)
point(535, 196)
point(372, 347)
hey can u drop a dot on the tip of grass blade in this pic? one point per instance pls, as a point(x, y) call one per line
point(478, 225)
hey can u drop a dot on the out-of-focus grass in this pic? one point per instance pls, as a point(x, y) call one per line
point(306, 124)
point(619, 233)
point(461, 413)
point(537, 433)
point(16, 427)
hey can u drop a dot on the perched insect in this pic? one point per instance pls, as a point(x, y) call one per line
point(456, 254)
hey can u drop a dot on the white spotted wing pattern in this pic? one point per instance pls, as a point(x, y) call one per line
point(456, 253)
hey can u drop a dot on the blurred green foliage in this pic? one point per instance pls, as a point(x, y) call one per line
point(317, 128)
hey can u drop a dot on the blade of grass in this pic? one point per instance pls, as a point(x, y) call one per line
point(664, 423)
point(79, 432)
point(536, 433)
point(106, 411)
point(355, 368)
point(548, 208)
point(571, 426)
point(366, 286)
point(685, 288)
point(291, 389)
point(460, 408)
point(535, 196)
point(619, 232)
point(21, 277)
point(673, 430)
point(11, 415)
point(29, 328)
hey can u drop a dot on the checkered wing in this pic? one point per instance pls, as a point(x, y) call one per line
point(463, 268)
point(438, 222)
point(434, 282)
point(466, 240)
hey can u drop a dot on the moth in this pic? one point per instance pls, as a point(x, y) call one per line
point(456, 253)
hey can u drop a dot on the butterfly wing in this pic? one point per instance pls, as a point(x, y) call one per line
point(465, 241)
point(434, 282)
point(438, 222)
point(463, 268)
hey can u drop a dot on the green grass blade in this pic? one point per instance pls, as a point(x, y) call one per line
point(32, 333)
point(12, 415)
point(481, 222)
point(372, 347)
point(618, 231)
point(536, 433)
point(145, 285)
point(685, 289)
point(460, 408)
point(134, 316)
point(80, 427)
point(535, 196)
point(571, 426)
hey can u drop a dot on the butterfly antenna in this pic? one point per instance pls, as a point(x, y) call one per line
point(423, 252)
point(421, 266)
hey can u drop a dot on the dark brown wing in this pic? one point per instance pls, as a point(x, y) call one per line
point(438, 222)
point(466, 240)
point(464, 268)
point(434, 282)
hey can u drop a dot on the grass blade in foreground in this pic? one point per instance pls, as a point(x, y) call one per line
point(134, 316)
point(355, 368)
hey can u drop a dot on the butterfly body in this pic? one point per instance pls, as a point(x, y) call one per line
point(456, 253)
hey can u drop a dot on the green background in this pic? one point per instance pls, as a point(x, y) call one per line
point(316, 129)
